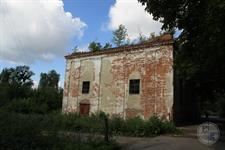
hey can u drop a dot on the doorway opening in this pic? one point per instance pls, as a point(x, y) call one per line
point(84, 109)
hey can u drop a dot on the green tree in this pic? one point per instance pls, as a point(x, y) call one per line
point(15, 83)
point(5, 75)
point(21, 76)
point(199, 49)
point(120, 36)
point(107, 45)
point(49, 79)
point(43, 82)
point(48, 95)
point(94, 46)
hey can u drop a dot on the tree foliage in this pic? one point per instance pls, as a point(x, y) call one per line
point(120, 36)
point(17, 94)
point(94, 46)
point(199, 50)
point(21, 76)
point(49, 79)
point(107, 45)
point(15, 83)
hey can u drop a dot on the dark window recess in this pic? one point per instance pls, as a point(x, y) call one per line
point(85, 87)
point(134, 87)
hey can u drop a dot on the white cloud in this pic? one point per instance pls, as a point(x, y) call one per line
point(132, 14)
point(61, 84)
point(36, 30)
point(83, 48)
point(35, 84)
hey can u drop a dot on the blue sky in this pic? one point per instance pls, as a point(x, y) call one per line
point(95, 21)
point(94, 13)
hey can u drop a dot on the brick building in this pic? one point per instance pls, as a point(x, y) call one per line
point(134, 80)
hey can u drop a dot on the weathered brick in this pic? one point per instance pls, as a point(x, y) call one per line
point(109, 72)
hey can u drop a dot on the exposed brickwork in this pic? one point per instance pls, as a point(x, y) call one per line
point(109, 73)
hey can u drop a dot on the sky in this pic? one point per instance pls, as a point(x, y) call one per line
point(39, 33)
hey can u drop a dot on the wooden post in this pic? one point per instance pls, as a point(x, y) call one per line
point(106, 129)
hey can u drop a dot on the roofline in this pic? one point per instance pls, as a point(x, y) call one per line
point(154, 43)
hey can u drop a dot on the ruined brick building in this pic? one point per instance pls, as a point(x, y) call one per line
point(134, 80)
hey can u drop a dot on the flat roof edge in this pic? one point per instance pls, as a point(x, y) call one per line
point(121, 49)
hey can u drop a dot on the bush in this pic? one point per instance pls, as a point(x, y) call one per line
point(22, 132)
point(169, 127)
point(41, 132)
point(153, 126)
point(138, 127)
point(117, 125)
point(40, 101)
point(62, 131)
point(134, 127)
point(49, 98)
point(24, 106)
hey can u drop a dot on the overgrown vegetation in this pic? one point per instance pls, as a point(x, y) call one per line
point(117, 125)
point(139, 127)
point(120, 38)
point(96, 46)
point(17, 94)
point(32, 119)
point(199, 49)
point(70, 131)
point(39, 101)
point(46, 132)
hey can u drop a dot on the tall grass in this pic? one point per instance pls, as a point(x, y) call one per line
point(70, 131)
point(49, 132)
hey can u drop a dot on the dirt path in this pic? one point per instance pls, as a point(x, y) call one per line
point(187, 141)
point(166, 143)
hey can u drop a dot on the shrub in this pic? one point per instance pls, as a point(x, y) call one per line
point(60, 131)
point(139, 127)
point(169, 127)
point(22, 132)
point(40, 101)
point(117, 125)
point(134, 126)
point(153, 126)
point(41, 132)
point(24, 106)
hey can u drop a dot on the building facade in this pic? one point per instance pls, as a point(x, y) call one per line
point(128, 81)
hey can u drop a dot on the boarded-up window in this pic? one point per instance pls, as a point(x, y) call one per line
point(85, 87)
point(134, 86)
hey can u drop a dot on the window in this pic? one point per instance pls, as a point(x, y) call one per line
point(85, 87)
point(134, 87)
